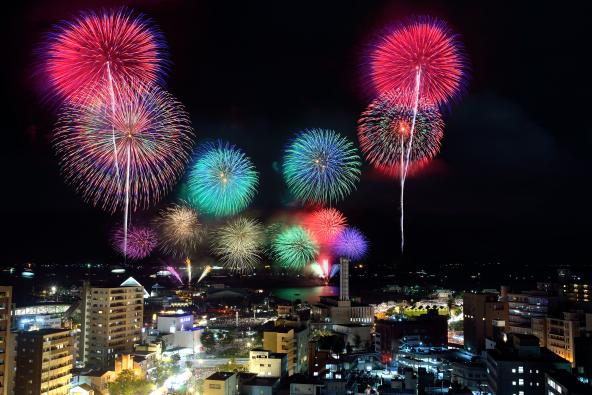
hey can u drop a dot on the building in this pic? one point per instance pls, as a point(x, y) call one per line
point(268, 364)
point(343, 310)
point(518, 365)
point(583, 357)
point(483, 313)
point(30, 318)
point(44, 362)
point(174, 322)
point(470, 374)
point(530, 307)
point(111, 322)
point(6, 358)
point(292, 341)
point(561, 334)
point(221, 383)
point(576, 292)
point(559, 382)
point(98, 380)
point(430, 328)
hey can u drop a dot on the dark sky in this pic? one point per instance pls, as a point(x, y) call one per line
point(511, 183)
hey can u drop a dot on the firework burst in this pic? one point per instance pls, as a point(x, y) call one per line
point(384, 132)
point(141, 241)
point(321, 166)
point(181, 231)
point(424, 46)
point(102, 50)
point(223, 180)
point(152, 137)
point(325, 224)
point(293, 248)
point(351, 244)
point(238, 244)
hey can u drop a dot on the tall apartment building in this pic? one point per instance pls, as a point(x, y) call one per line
point(111, 322)
point(268, 364)
point(288, 340)
point(44, 362)
point(5, 338)
point(483, 312)
point(527, 312)
point(561, 335)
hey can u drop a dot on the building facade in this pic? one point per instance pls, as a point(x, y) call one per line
point(6, 358)
point(291, 341)
point(482, 313)
point(44, 362)
point(111, 323)
point(268, 364)
point(221, 383)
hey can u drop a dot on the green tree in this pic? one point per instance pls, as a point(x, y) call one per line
point(127, 383)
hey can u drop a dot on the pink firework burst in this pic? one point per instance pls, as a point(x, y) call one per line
point(141, 241)
point(102, 50)
point(325, 224)
point(425, 46)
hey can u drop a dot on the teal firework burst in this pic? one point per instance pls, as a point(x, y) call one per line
point(222, 180)
point(321, 166)
point(293, 248)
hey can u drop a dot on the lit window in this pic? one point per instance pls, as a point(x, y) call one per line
point(520, 381)
point(513, 370)
point(513, 383)
point(520, 369)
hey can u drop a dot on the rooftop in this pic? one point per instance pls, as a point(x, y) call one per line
point(220, 376)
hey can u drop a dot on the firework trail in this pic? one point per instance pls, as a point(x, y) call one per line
point(294, 247)
point(140, 241)
point(222, 180)
point(204, 273)
point(181, 231)
point(238, 244)
point(424, 58)
point(321, 166)
point(175, 274)
point(153, 137)
point(384, 132)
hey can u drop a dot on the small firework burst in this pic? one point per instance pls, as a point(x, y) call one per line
point(321, 166)
point(238, 244)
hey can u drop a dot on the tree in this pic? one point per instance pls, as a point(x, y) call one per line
point(127, 383)
point(208, 341)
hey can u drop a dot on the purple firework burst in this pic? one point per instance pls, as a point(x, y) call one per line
point(141, 241)
point(351, 244)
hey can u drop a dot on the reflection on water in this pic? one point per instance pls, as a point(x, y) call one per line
point(309, 294)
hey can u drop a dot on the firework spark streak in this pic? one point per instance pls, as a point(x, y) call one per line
point(140, 242)
point(321, 166)
point(223, 180)
point(204, 273)
point(175, 273)
point(238, 243)
point(181, 231)
point(153, 137)
point(100, 50)
point(294, 247)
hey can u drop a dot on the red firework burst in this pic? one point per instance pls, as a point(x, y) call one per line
point(102, 50)
point(426, 46)
point(325, 224)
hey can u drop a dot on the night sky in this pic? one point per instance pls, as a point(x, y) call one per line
point(511, 183)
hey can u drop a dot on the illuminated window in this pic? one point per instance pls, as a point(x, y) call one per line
point(520, 369)
point(520, 381)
